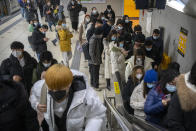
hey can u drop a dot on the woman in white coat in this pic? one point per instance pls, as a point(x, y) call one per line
point(117, 55)
point(140, 92)
point(67, 102)
point(138, 59)
point(107, 63)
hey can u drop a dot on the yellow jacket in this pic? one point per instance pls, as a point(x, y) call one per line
point(65, 40)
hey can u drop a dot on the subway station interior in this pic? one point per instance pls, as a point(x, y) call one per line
point(97, 65)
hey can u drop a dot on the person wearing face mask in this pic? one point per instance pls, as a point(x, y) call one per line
point(138, 59)
point(117, 56)
point(94, 14)
point(19, 66)
point(39, 40)
point(95, 52)
point(83, 29)
point(151, 51)
point(109, 10)
point(158, 98)
point(137, 30)
point(135, 79)
point(65, 43)
point(140, 92)
point(74, 8)
point(82, 15)
point(127, 24)
point(46, 61)
point(107, 69)
point(48, 12)
point(182, 110)
point(157, 42)
point(67, 101)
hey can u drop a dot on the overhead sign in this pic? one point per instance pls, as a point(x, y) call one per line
point(93, 1)
point(182, 41)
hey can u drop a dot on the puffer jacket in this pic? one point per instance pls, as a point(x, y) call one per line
point(130, 65)
point(153, 107)
point(11, 66)
point(182, 110)
point(86, 112)
point(107, 61)
point(74, 12)
point(137, 100)
point(65, 40)
point(95, 45)
point(117, 60)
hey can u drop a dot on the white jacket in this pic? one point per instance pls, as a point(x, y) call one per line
point(137, 100)
point(107, 59)
point(117, 60)
point(130, 65)
point(86, 109)
point(81, 18)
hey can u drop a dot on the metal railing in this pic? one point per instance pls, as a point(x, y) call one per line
point(115, 120)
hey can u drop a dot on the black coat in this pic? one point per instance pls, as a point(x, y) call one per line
point(11, 67)
point(126, 94)
point(154, 54)
point(38, 41)
point(16, 112)
point(74, 12)
point(128, 27)
point(106, 12)
point(49, 17)
point(182, 110)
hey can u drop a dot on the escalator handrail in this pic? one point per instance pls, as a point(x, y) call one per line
point(124, 123)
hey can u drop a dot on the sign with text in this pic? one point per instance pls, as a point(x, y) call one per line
point(182, 41)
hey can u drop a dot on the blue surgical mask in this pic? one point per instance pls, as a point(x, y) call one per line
point(171, 88)
point(44, 33)
point(151, 85)
point(155, 37)
point(113, 38)
point(121, 45)
point(64, 25)
point(126, 21)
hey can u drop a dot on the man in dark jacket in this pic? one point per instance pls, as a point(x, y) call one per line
point(48, 12)
point(157, 42)
point(22, 4)
point(41, 4)
point(182, 110)
point(46, 61)
point(74, 8)
point(39, 40)
point(95, 44)
point(151, 51)
point(16, 113)
point(19, 66)
point(108, 11)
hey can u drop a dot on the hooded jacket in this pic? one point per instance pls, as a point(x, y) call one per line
point(86, 111)
point(182, 110)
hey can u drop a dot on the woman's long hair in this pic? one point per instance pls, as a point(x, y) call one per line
point(133, 75)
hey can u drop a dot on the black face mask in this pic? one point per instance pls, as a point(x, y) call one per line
point(57, 95)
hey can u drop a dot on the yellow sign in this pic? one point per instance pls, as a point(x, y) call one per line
point(116, 88)
point(182, 41)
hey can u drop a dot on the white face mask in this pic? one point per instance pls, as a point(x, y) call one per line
point(155, 37)
point(139, 76)
point(72, 2)
point(148, 49)
point(46, 65)
point(103, 18)
point(16, 54)
point(87, 20)
point(126, 21)
point(94, 12)
point(139, 61)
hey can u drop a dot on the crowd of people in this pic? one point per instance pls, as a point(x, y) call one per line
point(38, 93)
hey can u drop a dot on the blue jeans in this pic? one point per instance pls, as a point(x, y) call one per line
point(23, 12)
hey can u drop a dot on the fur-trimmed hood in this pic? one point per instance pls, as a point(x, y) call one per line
point(186, 93)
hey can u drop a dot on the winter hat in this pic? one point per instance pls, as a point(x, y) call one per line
point(151, 76)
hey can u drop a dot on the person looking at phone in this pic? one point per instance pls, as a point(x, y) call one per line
point(158, 98)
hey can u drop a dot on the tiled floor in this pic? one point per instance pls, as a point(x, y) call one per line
point(19, 32)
